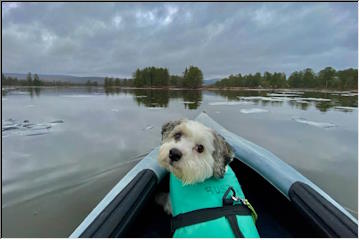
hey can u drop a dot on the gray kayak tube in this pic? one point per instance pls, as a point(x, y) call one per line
point(149, 162)
point(147, 174)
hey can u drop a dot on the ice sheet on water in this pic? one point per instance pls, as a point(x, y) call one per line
point(149, 127)
point(155, 108)
point(115, 110)
point(302, 102)
point(229, 103)
point(292, 92)
point(298, 100)
point(314, 123)
point(349, 94)
point(78, 96)
point(11, 127)
point(17, 92)
point(253, 110)
point(141, 96)
point(57, 121)
point(283, 95)
point(345, 109)
point(271, 99)
point(313, 99)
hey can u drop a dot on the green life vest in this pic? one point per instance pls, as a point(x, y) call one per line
point(208, 194)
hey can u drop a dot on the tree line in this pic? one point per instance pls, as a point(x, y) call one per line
point(29, 81)
point(154, 77)
point(327, 78)
point(117, 82)
point(192, 77)
point(34, 80)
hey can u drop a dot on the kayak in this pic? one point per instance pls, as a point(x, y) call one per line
point(287, 203)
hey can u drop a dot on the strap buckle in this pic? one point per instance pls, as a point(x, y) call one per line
point(235, 199)
point(232, 199)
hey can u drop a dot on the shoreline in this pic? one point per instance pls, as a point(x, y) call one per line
point(4, 88)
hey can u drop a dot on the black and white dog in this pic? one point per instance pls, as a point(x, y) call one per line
point(193, 153)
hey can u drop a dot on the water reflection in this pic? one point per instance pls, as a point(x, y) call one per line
point(151, 98)
point(192, 99)
point(34, 91)
point(323, 101)
point(159, 98)
point(300, 105)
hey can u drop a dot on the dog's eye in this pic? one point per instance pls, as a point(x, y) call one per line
point(177, 136)
point(199, 148)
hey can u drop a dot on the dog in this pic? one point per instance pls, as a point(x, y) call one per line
point(193, 153)
point(200, 183)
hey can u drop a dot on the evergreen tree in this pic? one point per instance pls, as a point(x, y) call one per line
point(36, 81)
point(327, 77)
point(29, 79)
point(193, 78)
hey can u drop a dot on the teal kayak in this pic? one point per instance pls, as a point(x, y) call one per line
point(287, 203)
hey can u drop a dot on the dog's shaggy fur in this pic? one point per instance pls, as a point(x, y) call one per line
point(192, 152)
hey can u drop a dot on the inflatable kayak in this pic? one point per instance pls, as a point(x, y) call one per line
point(287, 203)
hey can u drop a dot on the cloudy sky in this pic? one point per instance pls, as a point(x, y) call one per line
point(113, 39)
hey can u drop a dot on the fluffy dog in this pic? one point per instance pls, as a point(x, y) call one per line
point(193, 153)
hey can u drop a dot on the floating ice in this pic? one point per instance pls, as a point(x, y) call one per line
point(25, 128)
point(292, 92)
point(314, 99)
point(349, 94)
point(229, 103)
point(141, 96)
point(302, 102)
point(57, 121)
point(271, 99)
point(283, 95)
point(155, 108)
point(299, 101)
point(148, 127)
point(346, 108)
point(253, 110)
point(19, 92)
point(189, 102)
point(78, 96)
point(252, 98)
point(315, 124)
point(115, 110)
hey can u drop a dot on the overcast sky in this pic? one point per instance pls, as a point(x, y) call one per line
point(113, 39)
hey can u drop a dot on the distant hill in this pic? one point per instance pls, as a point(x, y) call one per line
point(211, 81)
point(54, 77)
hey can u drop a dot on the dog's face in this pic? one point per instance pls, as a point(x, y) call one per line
point(193, 152)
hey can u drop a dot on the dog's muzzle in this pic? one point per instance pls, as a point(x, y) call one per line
point(175, 154)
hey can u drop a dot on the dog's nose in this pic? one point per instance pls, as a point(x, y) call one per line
point(175, 154)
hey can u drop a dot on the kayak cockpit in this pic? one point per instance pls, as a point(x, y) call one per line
point(277, 216)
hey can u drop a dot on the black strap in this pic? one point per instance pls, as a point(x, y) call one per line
point(234, 226)
point(207, 214)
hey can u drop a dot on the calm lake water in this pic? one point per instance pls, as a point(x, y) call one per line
point(64, 149)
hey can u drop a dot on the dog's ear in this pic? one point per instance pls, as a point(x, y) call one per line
point(168, 127)
point(223, 155)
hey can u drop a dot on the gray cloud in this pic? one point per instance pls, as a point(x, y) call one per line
point(221, 38)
